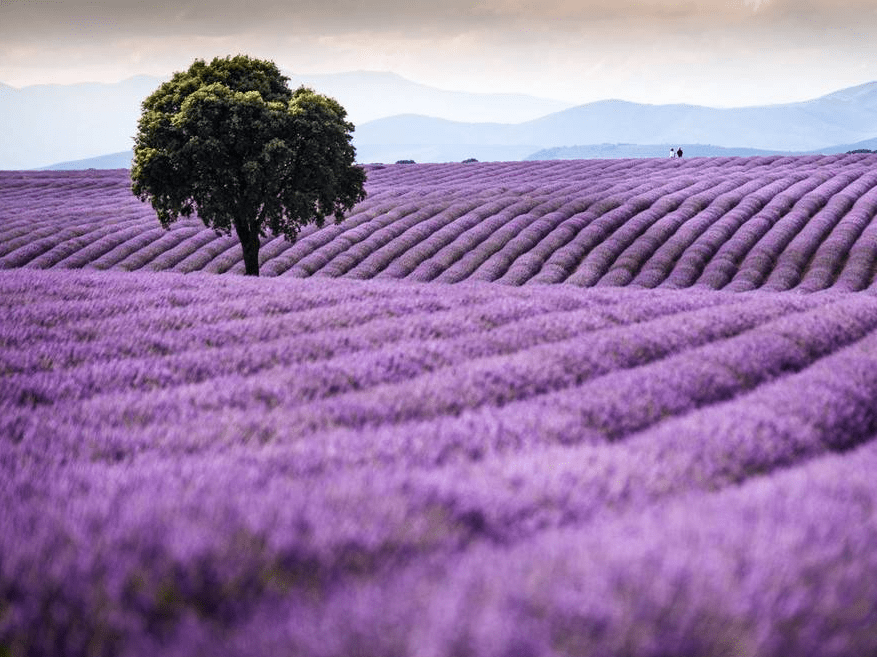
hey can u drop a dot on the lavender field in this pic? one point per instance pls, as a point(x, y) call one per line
point(773, 223)
point(588, 408)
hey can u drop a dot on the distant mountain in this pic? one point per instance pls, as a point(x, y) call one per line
point(460, 152)
point(867, 144)
point(833, 119)
point(440, 153)
point(621, 151)
point(427, 139)
point(44, 124)
point(846, 117)
point(370, 95)
point(56, 123)
point(112, 161)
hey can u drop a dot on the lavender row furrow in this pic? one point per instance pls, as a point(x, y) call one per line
point(858, 272)
point(116, 234)
point(379, 235)
point(472, 247)
point(536, 235)
point(739, 250)
point(27, 236)
point(586, 252)
point(635, 244)
point(37, 340)
point(755, 268)
point(751, 436)
point(67, 249)
point(498, 251)
point(608, 407)
point(523, 493)
point(130, 248)
point(573, 239)
point(133, 301)
point(21, 251)
point(795, 259)
point(412, 245)
point(601, 244)
point(391, 523)
point(375, 205)
point(761, 261)
point(170, 255)
point(688, 239)
point(638, 237)
point(148, 314)
point(446, 246)
point(565, 376)
point(274, 262)
point(244, 349)
point(178, 324)
point(835, 251)
point(773, 568)
point(525, 254)
point(699, 253)
point(350, 233)
point(200, 260)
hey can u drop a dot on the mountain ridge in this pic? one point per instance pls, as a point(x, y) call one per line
point(122, 160)
point(848, 116)
point(57, 123)
point(74, 131)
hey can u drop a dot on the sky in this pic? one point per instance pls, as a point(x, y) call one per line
point(719, 53)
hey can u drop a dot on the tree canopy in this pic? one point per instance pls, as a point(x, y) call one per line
point(233, 143)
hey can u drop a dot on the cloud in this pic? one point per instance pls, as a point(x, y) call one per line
point(72, 20)
point(723, 52)
point(224, 17)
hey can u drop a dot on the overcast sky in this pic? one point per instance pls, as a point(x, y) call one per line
point(722, 53)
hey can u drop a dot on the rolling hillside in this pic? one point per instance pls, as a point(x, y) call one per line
point(458, 424)
point(722, 223)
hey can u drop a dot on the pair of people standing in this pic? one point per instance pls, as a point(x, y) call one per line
point(675, 152)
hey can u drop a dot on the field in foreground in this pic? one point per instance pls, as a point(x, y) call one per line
point(773, 223)
point(430, 464)
point(216, 465)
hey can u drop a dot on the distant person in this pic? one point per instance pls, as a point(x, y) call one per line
point(679, 153)
point(672, 152)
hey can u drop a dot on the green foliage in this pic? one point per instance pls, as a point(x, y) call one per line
point(230, 141)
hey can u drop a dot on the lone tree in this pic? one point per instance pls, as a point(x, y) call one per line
point(230, 141)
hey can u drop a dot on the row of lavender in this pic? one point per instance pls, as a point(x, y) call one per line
point(220, 465)
point(774, 223)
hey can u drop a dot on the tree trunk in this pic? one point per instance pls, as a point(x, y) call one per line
point(250, 245)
